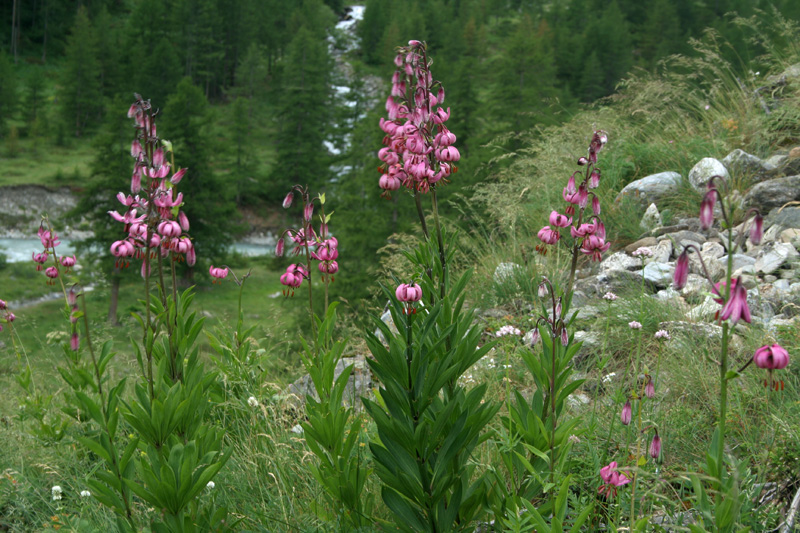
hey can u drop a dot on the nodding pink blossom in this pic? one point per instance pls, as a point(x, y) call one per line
point(655, 446)
point(626, 414)
point(40, 259)
point(535, 336)
point(218, 273)
point(279, 247)
point(594, 247)
point(68, 262)
point(389, 182)
point(612, 479)
point(564, 337)
point(681, 274)
point(594, 179)
point(558, 220)
point(293, 278)
point(3, 305)
point(650, 388)
point(327, 251)
point(757, 229)
point(74, 342)
point(595, 205)
point(49, 238)
point(169, 229)
point(707, 209)
point(736, 307)
point(548, 236)
point(287, 202)
point(10, 317)
point(582, 161)
point(52, 273)
point(328, 267)
point(774, 357)
point(584, 230)
point(408, 292)
point(308, 212)
point(542, 290)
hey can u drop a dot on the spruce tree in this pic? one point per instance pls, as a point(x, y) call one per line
point(208, 201)
point(303, 115)
point(81, 95)
point(8, 90)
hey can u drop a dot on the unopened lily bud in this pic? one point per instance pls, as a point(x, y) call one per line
point(627, 412)
point(757, 229)
point(655, 446)
point(287, 202)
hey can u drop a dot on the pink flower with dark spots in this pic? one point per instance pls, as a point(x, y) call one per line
point(40, 259)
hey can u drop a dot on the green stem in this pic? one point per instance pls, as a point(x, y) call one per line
point(440, 241)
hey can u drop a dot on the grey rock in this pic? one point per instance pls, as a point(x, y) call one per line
point(683, 238)
point(773, 193)
point(659, 274)
point(588, 312)
point(651, 188)
point(695, 286)
point(692, 329)
point(620, 261)
point(789, 235)
point(387, 319)
point(748, 281)
point(788, 217)
point(704, 170)
point(705, 311)
point(770, 279)
point(712, 249)
point(781, 285)
point(774, 256)
point(662, 252)
point(651, 218)
point(491, 313)
point(741, 162)
point(739, 261)
point(648, 242)
point(360, 383)
point(714, 267)
point(788, 74)
point(505, 272)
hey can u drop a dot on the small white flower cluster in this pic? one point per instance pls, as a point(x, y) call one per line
point(644, 251)
point(608, 377)
point(610, 296)
point(662, 334)
point(507, 330)
point(85, 494)
point(56, 492)
point(635, 325)
point(252, 402)
point(297, 429)
point(210, 485)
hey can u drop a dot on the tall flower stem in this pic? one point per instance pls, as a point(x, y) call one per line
point(306, 233)
point(723, 369)
point(440, 240)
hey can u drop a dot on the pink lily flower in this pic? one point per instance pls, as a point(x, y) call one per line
point(548, 236)
point(774, 357)
point(217, 273)
point(594, 247)
point(736, 307)
point(559, 220)
point(681, 271)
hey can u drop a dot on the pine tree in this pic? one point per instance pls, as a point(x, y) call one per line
point(34, 95)
point(80, 95)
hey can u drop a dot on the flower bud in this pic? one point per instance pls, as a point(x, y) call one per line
point(287, 202)
point(650, 388)
point(74, 342)
point(627, 412)
point(681, 270)
point(757, 229)
point(655, 446)
point(707, 209)
point(279, 248)
point(564, 337)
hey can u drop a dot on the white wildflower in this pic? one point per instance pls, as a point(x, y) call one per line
point(635, 325)
point(56, 492)
point(297, 429)
point(85, 494)
point(211, 485)
point(662, 334)
point(610, 296)
point(252, 402)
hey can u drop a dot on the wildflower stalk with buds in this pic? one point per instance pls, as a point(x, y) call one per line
point(732, 296)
